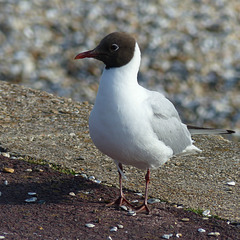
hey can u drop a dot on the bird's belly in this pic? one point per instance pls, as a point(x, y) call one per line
point(126, 143)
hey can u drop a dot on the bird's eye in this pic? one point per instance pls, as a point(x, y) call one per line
point(114, 47)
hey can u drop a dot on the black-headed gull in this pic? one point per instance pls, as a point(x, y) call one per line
point(130, 124)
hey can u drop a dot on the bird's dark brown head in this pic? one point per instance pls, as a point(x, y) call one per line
point(115, 50)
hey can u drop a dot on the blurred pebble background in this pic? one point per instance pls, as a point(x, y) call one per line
point(190, 50)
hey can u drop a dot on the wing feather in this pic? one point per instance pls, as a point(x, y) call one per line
point(167, 124)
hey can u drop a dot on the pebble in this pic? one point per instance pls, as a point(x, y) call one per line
point(72, 194)
point(120, 226)
point(6, 182)
point(31, 200)
point(84, 175)
point(2, 237)
point(232, 183)
point(178, 235)
point(89, 225)
point(91, 178)
point(139, 194)
point(32, 193)
point(28, 170)
point(97, 181)
point(201, 230)
point(38, 169)
point(123, 207)
point(113, 229)
point(185, 219)
point(167, 236)
point(153, 200)
point(8, 170)
point(131, 213)
point(109, 238)
point(5, 154)
point(206, 213)
point(214, 234)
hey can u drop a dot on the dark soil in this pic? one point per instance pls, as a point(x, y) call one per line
point(57, 215)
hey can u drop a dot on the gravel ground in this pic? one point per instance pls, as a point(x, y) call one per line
point(38, 125)
point(65, 204)
point(190, 50)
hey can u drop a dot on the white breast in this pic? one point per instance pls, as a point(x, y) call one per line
point(120, 123)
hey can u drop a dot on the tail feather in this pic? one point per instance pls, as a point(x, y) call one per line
point(194, 130)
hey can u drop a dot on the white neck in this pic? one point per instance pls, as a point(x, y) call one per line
point(126, 74)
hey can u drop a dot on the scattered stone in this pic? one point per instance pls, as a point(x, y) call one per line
point(38, 169)
point(84, 175)
point(139, 194)
point(153, 200)
point(131, 213)
point(6, 182)
point(179, 206)
point(8, 170)
point(205, 218)
point(31, 200)
point(206, 213)
point(91, 178)
point(5, 154)
point(123, 207)
point(201, 230)
point(185, 219)
point(232, 183)
point(120, 226)
point(89, 225)
point(167, 236)
point(97, 181)
point(113, 229)
point(28, 170)
point(32, 193)
point(72, 194)
point(214, 234)
point(135, 201)
point(178, 235)
point(2, 237)
point(109, 238)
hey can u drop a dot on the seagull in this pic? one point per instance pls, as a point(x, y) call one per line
point(130, 124)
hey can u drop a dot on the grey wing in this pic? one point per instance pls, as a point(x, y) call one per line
point(167, 124)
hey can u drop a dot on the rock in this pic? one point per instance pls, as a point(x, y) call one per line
point(185, 219)
point(214, 234)
point(89, 225)
point(8, 170)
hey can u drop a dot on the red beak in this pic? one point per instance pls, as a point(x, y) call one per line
point(88, 54)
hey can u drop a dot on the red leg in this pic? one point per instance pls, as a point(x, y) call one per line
point(121, 199)
point(144, 206)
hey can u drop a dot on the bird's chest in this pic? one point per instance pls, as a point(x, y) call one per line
point(115, 123)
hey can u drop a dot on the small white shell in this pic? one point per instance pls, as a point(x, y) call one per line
point(89, 225)
point(123, 207)
point(206, 213)
point(131, 213)
point(32, 193)
point(30, 200)
point(153, 200)
point(214, 234)
point(232, 183)
point(113, 229)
